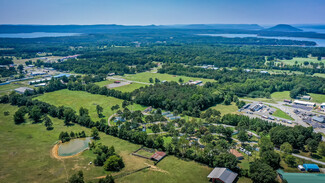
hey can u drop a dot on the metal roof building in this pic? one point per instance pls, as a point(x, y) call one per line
point(22, 90)
point(311, 167)
point(222, 175)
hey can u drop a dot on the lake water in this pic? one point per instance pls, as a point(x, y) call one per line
point(73, 146)
point(37, 35)
point(303, 177)
point(319, 42)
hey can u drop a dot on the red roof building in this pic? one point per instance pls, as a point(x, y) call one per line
point(158, 156)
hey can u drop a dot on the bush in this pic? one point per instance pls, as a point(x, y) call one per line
point(114, 163)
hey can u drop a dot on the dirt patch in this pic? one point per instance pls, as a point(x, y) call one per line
point(154, 168)
point(55, 154)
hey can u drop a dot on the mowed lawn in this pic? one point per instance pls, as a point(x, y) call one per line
point(280, 96)
point(130, 87)
point(144, 77)
point(301, 60)
point(77, 99)
point(226, 109)
point(25, 156)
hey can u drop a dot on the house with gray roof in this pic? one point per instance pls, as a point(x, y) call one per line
point(223, 175)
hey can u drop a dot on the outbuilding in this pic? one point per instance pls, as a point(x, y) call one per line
point(238, 155)
point(223, 175)
point(22, 90)
point(311, 167)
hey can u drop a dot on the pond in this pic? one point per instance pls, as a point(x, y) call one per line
point(303, 177)
point(74, 146)
point(319, 42)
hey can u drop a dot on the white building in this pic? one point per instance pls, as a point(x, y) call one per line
point(309, 104)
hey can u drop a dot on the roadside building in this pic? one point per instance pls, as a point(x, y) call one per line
point(37, 73)
point(61, 75)
point(223, 175)
point(22, 90)
point(311, 167)
point(304, 103)
point(319, 119)
point(287, 100)
point(264, 72)
point(306, 97)
point(238, 155)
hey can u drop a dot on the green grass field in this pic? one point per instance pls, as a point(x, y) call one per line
point(77, 99)
point(144, 77)
point(104, 83)
point(26, 157)
point(318, 98)
point(281, 114)
point(174, 170)
point(319, 75)
point(225, 109)
point(130, 87)
point(301, 60)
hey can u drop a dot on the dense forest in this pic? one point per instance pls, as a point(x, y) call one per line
point(252, 84)
point(172, 96)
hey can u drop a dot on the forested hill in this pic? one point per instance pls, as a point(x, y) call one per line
point(111, 27)
point(283, 28)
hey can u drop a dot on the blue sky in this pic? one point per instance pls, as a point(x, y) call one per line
point(145, 12)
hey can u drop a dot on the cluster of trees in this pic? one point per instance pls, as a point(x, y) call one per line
point(172, 96)
point(297, 136)
point(79, 178)
point(251, 84)
point(65, 136)
point(6, 72)
point(106, 157)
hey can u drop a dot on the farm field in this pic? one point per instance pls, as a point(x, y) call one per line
point(280, 96)
point(37, 143)
point(77, 99)
point(144, 77)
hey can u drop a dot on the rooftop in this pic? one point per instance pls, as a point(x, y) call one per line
point(224, 174)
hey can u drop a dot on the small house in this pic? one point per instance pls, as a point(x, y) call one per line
point(223, 175)
point(311, 167)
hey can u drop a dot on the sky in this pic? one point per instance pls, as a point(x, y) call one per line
point(162, 12)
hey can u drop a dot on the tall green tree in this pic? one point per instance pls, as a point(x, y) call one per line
point(95, 133)
point(77, 178)
point(99, 110)
point(261, 172)
point(36, 114)
point(48, 122)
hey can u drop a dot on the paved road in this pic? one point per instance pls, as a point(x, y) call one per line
point(310, 159)
point(122, 79)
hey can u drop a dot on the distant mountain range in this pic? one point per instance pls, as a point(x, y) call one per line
point(283, 28)
point(192, 29)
